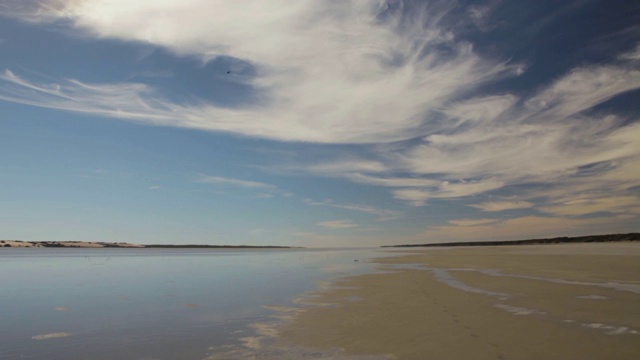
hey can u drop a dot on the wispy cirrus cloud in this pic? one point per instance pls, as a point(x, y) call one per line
point(414, 197)
point(633, 55)
point(338, 224)
point(383, 214)
point(502, 205)
point(262, 190)
point(473, 222)
point(391, 181)
point(340, 89)
point(582, 89)
point(131, 101)
point(582, 205)
point(234, 182)
point(446, 189)
point(553, 139)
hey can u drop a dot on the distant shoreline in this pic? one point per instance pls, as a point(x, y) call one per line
point(218, 247)
point(101, 245)
point(556, 240)
point(86, 244)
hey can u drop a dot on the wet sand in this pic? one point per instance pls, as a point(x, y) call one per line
point(577, 301)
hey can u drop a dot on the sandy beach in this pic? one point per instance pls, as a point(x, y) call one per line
point(577, 301)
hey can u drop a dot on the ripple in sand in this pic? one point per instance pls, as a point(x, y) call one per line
point(517, 310)
point(611, 330)
point(592, 297)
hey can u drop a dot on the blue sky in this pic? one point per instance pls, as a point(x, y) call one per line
point(318, 123)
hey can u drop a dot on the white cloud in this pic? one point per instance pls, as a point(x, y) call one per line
point(346, 167)
point(446, 189)
point(480, 109)
point(234, 182)
point(415, 197)
point(517, 150)
point(582, 89)
point(633, 55)
point(499, 141)
point(502, 205)
point(338, 224)
point(329, 72)
point(467, 188)
point(546, 141)
point(480, 14)
point(131, 101)
point(391, 181)
point(383, 214)
point(472, 222)
point(582, 205)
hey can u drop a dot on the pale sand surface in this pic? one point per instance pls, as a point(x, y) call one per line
point(578, 301)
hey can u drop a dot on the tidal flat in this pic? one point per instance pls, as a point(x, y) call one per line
point(577, 301)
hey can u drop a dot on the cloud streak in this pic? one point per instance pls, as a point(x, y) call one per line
point(553, 139)
point(341, 88)
point(338, 224)
point(234, 182)
point(473, 222)
point(502, 205)
point(383, 214)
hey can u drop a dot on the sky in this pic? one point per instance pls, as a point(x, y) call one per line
point(318, 123)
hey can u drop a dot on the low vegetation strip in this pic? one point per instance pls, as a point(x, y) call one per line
point(557, 240)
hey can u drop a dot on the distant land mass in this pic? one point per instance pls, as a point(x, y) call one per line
point(218, 246)
point(557, 240)
point(89, 244)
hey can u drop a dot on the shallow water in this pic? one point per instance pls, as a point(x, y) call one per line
point(151, 303)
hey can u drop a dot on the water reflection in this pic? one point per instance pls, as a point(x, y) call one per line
point(149, 303)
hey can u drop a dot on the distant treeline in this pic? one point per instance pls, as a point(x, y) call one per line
point(557, 240)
